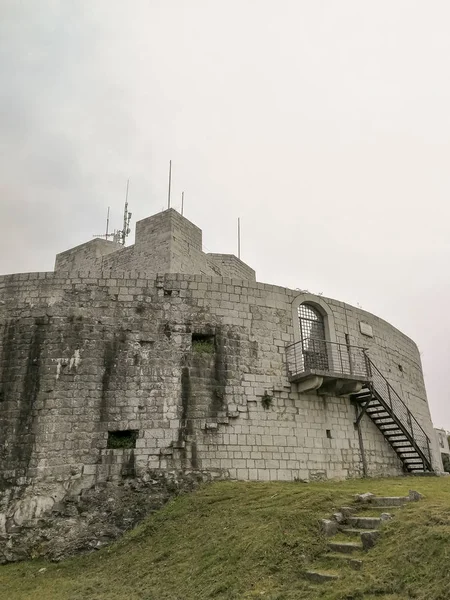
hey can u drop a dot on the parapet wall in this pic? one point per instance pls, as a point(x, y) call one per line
point(165, 243)
point(86, 256)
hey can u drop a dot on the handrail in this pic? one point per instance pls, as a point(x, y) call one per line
point(319, 355)
point(400, 410)
point(326, 342)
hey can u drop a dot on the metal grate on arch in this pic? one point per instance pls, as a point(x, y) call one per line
point(311, 322)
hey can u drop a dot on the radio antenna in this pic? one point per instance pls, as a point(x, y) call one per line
point(122, 234)
point(106, 235)
point(170, 181)
point(239, 237)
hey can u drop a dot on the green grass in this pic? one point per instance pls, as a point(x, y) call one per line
point(237, 540)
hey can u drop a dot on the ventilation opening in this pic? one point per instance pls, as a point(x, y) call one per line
point(329, 434)
point(168, 292)
point(122, 439)
point(204, 342)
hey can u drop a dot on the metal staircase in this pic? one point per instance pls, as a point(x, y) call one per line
point(383, 405)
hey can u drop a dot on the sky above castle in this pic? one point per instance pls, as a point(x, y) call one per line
point(324, 126)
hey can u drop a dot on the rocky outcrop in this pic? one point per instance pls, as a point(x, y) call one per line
point(39, 526)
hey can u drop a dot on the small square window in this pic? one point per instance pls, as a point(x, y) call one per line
point(204, 343)
point(122, 439)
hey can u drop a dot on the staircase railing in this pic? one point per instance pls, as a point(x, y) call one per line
point(400, 411)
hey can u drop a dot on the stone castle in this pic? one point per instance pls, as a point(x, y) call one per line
point(160, 358)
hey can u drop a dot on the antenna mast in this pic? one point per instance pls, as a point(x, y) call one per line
point(170, 181)
point(182, 203)
point(122, 235)
point(107, 224)
point(106, 235)
point(239, 237)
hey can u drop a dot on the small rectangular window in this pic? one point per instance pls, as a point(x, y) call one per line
point(122, 439)
point(329, 434)
point(204, 342)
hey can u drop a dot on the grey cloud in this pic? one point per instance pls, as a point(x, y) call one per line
point(324, 126)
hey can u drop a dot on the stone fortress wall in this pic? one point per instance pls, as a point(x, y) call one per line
point(107, 343)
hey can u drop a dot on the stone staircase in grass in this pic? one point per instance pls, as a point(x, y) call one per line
point(352, 533)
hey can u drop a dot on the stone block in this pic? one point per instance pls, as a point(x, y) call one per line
point(385, 516)
point(369, 539)
point(414, 496)
point(365, 498)
point(328, 527)
point(338, 517)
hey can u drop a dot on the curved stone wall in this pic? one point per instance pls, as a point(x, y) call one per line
point(184, 361)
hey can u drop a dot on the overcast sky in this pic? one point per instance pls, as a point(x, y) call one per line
point(324, 125)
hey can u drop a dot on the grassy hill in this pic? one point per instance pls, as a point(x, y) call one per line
point(237, 540)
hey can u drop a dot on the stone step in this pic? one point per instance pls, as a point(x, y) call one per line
point(353, 563)
point(348, 511)
point(364, 522)
point(369, 538)
point(344, 547)
point(321, 576)
point(379, 508)
point(386, 501)
point(355, 532)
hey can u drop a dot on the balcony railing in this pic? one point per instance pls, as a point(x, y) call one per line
point(328, 359)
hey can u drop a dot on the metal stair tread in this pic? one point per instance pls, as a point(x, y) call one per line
point(399, 427)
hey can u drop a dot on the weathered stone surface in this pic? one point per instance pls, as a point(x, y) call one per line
point(344, 547)
point(95, 518)
point(347, 511)
point(389, 500)
point(355, 563)
point(415, 496)
point(366, 497)
point(163, 340)
point(338, 517)
point(321, 576)
point(347, 559)
point(360, 522)
point(329, 527)
point(369, 539)
point(385, 516)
